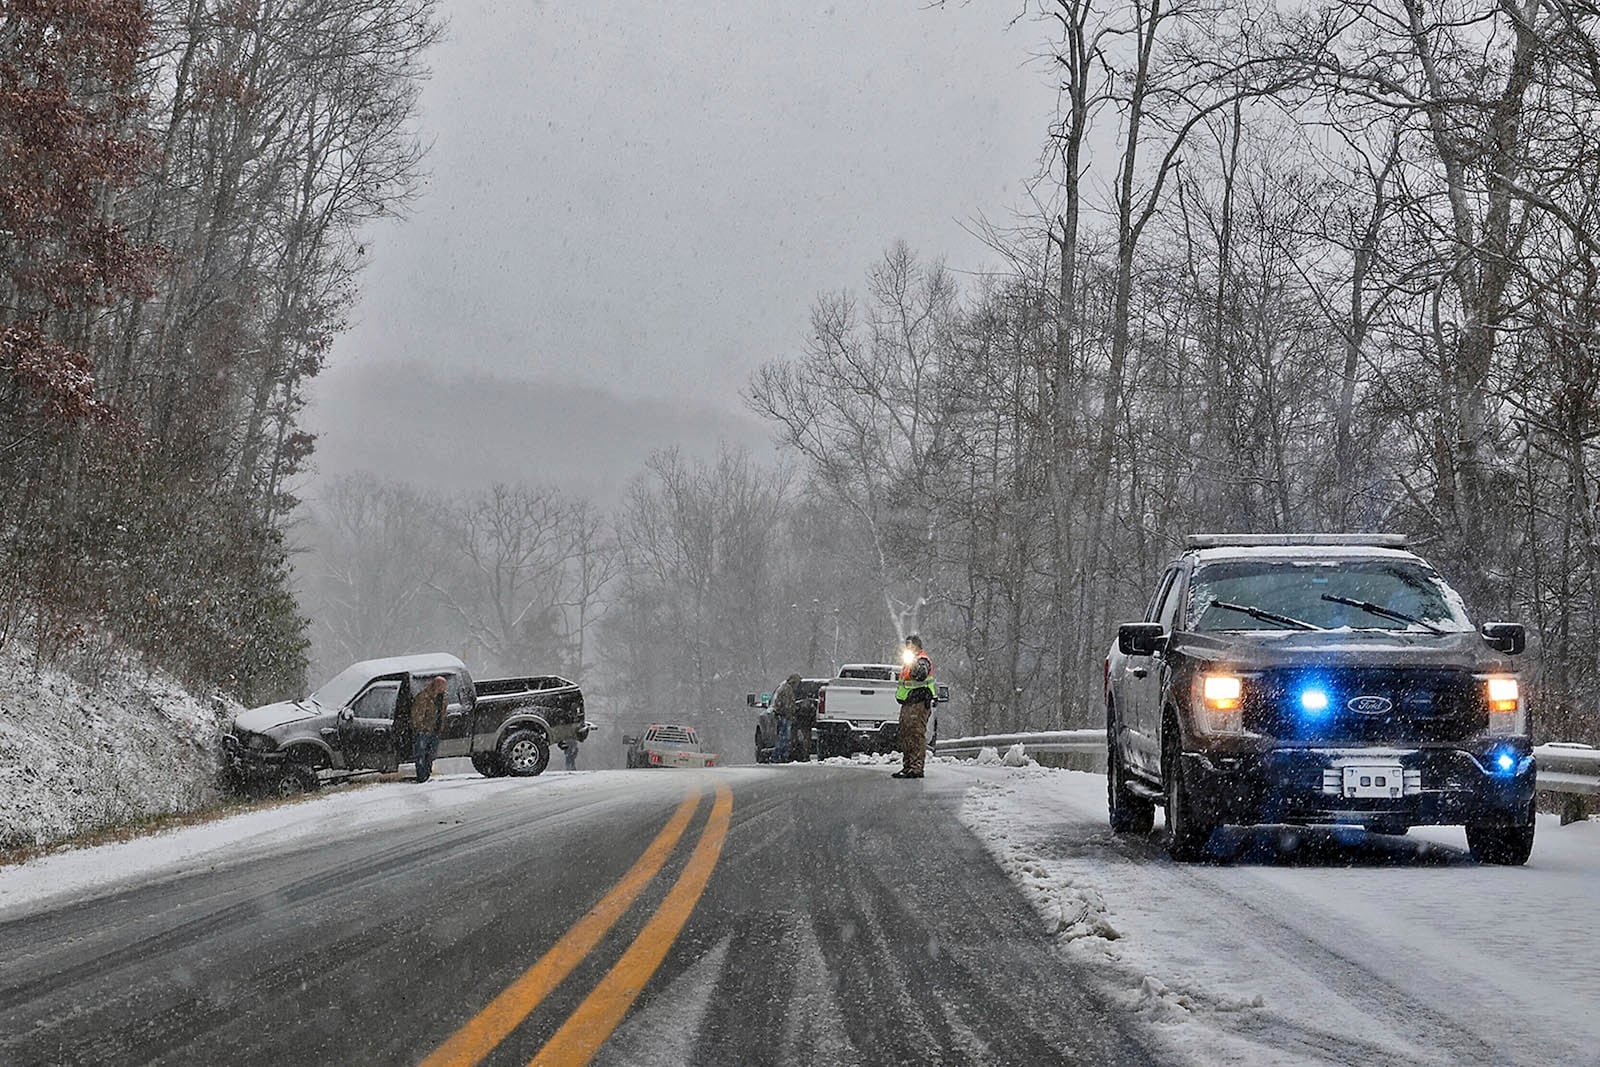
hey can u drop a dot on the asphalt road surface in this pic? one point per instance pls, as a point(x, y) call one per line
point(805, 915)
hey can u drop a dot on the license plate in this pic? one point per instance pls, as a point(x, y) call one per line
point(1387, 781)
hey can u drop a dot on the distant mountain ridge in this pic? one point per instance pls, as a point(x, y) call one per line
point(489, 429)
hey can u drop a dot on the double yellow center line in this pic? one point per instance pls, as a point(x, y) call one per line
point(587, 1028)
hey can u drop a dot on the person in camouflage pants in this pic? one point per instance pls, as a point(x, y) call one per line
point(915, 694)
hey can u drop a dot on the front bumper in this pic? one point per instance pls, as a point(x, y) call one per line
point(241, 757)
point(1442, 786)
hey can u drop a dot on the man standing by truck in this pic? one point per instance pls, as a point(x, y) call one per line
point(427, 723)
point(784, 706)
point(915, 694)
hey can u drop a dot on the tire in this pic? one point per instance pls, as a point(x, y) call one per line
point(292, 780)
point(488, 764)
point(1186, 833)
point(1128, 812)
point(524, 753)
point(1502, 845)
point(762, 755)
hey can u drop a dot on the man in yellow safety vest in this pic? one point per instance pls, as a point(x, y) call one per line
point(915, 694)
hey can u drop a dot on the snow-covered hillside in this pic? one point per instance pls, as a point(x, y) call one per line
point(74, 756)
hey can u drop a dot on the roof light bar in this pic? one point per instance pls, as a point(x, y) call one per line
point(1361, 540)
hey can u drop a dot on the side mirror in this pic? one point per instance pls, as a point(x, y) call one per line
point(941, 692)
point(1140, 638)
point(347, 716)
point(750, 700)
point(1508, 637)
point(629, 740)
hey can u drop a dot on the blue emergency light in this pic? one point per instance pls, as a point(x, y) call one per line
point(1314, 700)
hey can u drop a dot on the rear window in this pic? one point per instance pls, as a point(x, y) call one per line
point(876, 674)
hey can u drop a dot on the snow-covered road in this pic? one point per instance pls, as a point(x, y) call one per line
point(1312, 946)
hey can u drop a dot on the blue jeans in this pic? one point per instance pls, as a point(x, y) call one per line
point(780, 751)
point(423, 749)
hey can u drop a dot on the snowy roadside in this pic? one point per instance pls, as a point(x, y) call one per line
point(1310, 946)
point(77, 757)
point(76, 873)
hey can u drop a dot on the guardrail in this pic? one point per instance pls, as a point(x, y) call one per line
point(1049, 741)
point(1570, 769)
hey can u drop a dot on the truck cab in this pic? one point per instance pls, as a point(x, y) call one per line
point(1317, 679)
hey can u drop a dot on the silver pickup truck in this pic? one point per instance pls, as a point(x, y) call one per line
point(361, 719)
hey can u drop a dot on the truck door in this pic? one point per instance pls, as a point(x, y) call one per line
point(459, 702)
point(366, 733)
point(1147, 676)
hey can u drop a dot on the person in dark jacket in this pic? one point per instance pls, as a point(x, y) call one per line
point(427, 723)
point(784, 706)
point(805, 721)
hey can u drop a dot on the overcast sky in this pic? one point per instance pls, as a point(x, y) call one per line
point(646, 197)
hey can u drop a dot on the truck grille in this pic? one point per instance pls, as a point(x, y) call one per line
point(1366, 704)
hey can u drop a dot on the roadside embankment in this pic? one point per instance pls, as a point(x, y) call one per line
point(99, 742)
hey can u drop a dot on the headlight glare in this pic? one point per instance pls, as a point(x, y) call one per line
point(1224, 692)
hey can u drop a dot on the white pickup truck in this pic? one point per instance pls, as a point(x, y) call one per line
point(857, 711)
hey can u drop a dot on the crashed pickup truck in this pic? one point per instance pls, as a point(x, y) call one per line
point(361, 720)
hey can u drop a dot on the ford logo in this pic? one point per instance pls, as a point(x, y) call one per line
point(1369, 705)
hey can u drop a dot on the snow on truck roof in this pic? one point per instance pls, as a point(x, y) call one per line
point(338, 690)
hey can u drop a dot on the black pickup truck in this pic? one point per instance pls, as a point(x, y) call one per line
point(1316, 679)
point(362, 720)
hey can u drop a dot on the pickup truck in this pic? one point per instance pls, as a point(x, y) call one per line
point(1316, 679)
point(667, 745)
point(361, 719)
point(857, 711)
point(809, 697)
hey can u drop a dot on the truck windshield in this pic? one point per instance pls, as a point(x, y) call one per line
point(1301, 590)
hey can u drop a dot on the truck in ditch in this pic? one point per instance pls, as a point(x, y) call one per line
point(361, 720)
point(1317, 680)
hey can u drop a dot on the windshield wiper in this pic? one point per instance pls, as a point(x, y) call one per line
point(1378, 609)
point(1264, 615)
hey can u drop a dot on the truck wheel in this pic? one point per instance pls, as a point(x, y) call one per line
point(1507, 846)
point(524, 753)
point(488, 764)
point(293, 779)
point(762, 755)
point(1187, 834)
point(1130, 814)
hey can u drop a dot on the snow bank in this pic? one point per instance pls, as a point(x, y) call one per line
point(77, 757)
point(1309, 946)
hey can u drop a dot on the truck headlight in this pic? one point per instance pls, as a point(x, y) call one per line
point(1219, 704)
point(1504, 698)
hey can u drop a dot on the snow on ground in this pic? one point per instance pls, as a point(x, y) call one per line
point(77, 756)
point(1311, 946)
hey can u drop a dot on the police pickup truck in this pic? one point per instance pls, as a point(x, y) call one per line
point(1316, 679)
point(361, 719)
